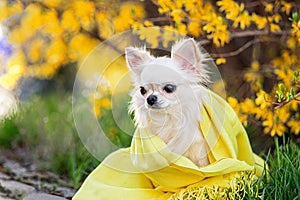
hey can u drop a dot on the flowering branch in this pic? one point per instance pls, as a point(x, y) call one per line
point(287, 101)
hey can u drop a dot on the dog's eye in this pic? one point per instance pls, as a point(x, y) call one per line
point(169, 88)
point(143, 90)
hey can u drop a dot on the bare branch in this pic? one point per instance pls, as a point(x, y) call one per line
point(159, 19)
point(249, 33)
point(241, 49)
point(238, 51)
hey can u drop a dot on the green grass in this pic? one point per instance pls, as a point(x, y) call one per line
point(43, 128)
point(283, 178)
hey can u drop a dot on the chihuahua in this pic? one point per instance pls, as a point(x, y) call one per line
point(168, 94)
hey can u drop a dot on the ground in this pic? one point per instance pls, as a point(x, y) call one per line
point(19, 180)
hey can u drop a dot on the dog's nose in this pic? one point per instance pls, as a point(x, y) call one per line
point(151, 100)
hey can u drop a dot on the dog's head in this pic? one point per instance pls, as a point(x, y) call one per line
point(162, 83)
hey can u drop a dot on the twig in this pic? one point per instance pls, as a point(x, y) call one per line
point(159, 19)
point(239, 50)
point(249, 33)
point(252, 4)
point(287, 101)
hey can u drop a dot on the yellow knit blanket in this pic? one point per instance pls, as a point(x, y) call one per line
point(149, 170)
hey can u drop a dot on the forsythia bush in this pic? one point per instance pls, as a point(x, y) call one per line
point(45, 35)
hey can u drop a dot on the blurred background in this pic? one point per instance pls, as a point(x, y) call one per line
point(43, 43)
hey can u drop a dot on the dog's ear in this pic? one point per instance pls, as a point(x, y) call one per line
point(136, 57)
point(186, 52)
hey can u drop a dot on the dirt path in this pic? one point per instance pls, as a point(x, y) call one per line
point(19, 182)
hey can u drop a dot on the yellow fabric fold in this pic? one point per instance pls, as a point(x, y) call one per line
point(149, 170)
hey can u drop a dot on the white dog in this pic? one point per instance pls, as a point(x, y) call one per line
point(168, 94)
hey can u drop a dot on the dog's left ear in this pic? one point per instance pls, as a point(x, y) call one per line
point(136, 57)
point(187, 53)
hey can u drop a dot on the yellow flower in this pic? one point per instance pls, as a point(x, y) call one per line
point(233, 102)
point(9, 81)
point(36, 50)
point(148, 23)
point(18, 58)
point(220, 38)
point(169, 35)
point(262, 99)
point(274, 124)
point(261, 22)
point(182, 29)
point(69, 22)
point(84, 11)
point(274, 27)
point(294, 124)
point(78, 51)
point(276, 18)
point(291, 43)
point(32, 19)
point(269, 7)
point(132, 10)
point(101, 103)
point(272, 127)
point(294, 105)
point(283, 114)
point(247, 106)
point(166, 6)
point(137, 25)
point(177, 15)
point(220, 61)
point(122, 23)
point(105, 27)
point(7, 10)
point(278, 129)
point(286, 7)
point(285, 75)
point(129, 12)
point(194, 28)
point(56, 53)
point(151, 35)
point(15, 70)
point(52, 26)
point(231, 8)
point(43, 71)
point(243, 19)
point(296, 30)
point(237, 108)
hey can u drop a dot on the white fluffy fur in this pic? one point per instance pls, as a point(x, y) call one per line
point(176, 118)
point(8, 103)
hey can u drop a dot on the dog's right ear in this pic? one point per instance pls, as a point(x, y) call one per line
point(135, 58)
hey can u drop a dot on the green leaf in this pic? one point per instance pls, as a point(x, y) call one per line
point(281, 87)
point(295, 17)
point(292, 91)
point(296, 76)
point(289, 96)
point(279, 95)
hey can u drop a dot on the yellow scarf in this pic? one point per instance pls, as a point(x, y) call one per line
point(149, 170)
